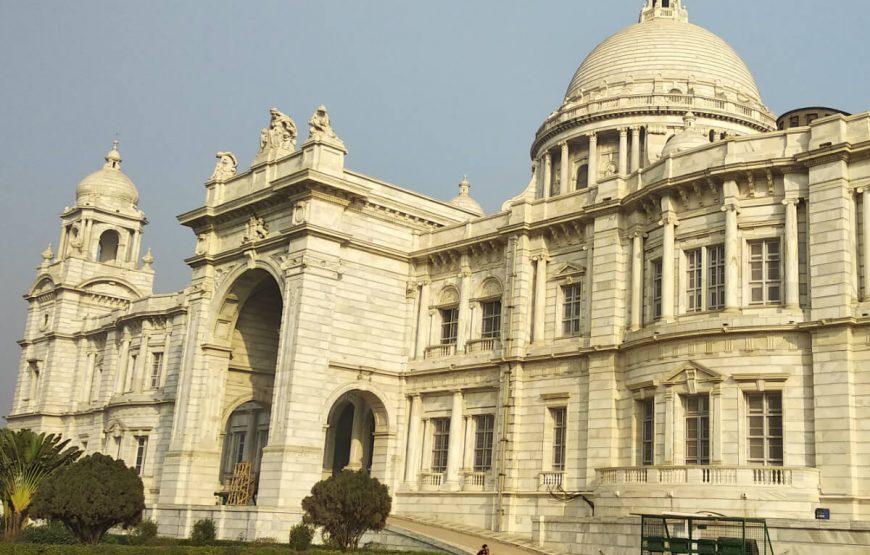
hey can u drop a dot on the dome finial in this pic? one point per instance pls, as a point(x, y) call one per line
point(464, 185)
point(664, 9)
point(113, 157)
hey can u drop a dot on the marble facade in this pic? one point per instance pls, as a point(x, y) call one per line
point(674, 315)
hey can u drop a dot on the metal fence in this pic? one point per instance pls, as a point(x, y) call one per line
point(704, 535)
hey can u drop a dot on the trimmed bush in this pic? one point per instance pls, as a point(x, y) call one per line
point(90, 496)
point(144, 533)
point(203, 531)
point(301, 536)
point(346, 505)
point(51, 533)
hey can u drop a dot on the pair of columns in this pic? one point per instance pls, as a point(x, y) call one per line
point(592, 164)
point(732, 258)
point(416, 442)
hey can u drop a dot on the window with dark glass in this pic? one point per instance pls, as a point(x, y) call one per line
point(657, 288)
point(141, 451)
point(764, 272)
point(440, 443)
point(484, 426)
point(694, 281)
point(716, 277)
point(491, 324)
point(156, 367)
point(571, 309)
point(764, 427)
point(647, 431)
point(697, 409)
point(449, 325)
point(559, 428)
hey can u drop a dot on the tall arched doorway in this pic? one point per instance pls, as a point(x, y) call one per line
point(356, 435)
point(249, 322)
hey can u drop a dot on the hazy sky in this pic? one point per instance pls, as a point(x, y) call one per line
point(420, 92)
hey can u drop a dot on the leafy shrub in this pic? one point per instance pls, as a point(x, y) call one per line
point(346, 505)
point(203, 531)
point(90, 496)
point(51, 533)
point(301, 536)
point(144, 533)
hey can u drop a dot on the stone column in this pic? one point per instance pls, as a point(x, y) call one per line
point(540, 298)
point(593, 159)
point(123, 365)
point(669, 428)
point(865, 222)
point(415, 442)
point(141, 383)
point(565, 167)
point(548, 174)
point(134, 251)
point(669, 222)
point(623, 151)
point(716, 419)
point(355, 460)
point(464, 309)
point(635, 148)
point(454, 450)
point(732, 246)
point(423, 321)
point(792, 295)
point(637, 281)
point(90, 364)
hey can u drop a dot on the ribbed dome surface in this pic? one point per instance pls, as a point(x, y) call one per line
point(108, 187)
point(667, 48)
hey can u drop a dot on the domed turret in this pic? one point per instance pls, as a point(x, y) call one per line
point(464, 201)
point(688, 139)
point(108, 188)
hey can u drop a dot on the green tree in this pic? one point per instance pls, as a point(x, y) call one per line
point(27, 459)
point(346, 505)
point(91, 496)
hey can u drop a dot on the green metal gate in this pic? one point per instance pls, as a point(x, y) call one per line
point(704, 535)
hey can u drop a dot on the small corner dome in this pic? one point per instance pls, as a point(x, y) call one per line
point(108, 187)
point(464, 201)
point(686, 139)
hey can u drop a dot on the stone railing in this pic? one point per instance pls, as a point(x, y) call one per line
point(761, 476)
point(481, 345)
point(437, 351)
point(431, 480)
point(473, 481)
point(551, 480)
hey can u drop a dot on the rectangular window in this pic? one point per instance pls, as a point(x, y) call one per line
point(571, 309)
point(647, 431)
point(141, 451)
point(657, 288)
point(491, 325)
point(716, 277)
point(156, 369)
point(694, 281)
point(484, 426)
point(811, 118)
point(449, 325)
point(764, 428)
point(764, 272)
point(697, 409)
point(794, 121)
point(440, 443)
point(559, 423)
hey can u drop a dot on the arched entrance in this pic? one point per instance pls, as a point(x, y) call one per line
point(356, 435)
point(249, 324)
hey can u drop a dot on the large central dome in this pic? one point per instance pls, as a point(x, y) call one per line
point(667, 49)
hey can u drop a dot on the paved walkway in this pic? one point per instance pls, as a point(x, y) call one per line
point(468, 539)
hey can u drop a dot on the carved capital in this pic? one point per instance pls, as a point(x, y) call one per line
point(787, 201)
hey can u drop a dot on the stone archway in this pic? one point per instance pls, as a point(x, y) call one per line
point(356, 435)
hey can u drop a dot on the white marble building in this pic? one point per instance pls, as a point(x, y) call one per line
point(674, 315)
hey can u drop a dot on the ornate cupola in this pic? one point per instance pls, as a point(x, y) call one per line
point(671, 9)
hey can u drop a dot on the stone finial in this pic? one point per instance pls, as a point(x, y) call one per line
point(281, 133)
point(464, 186)
point(147, 260)
point(225, 168)
point(47, 256)
point(689, 120)
point(319, 127)
point(113, 157)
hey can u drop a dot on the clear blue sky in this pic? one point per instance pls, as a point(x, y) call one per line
point(421, 93)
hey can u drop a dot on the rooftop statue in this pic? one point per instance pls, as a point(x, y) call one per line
point(281, 133)
point(319, 127)
point(225, 167)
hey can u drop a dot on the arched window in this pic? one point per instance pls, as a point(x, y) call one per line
point(582, 176)
point(107, 250)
